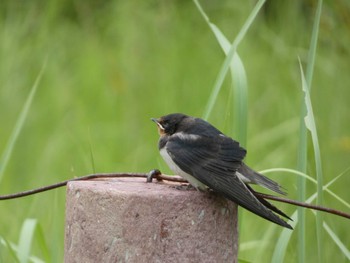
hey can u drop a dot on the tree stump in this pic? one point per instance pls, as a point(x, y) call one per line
point(129, 220)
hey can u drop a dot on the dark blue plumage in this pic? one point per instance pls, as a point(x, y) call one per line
point(207, 158)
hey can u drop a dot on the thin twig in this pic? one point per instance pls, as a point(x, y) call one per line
point(159, 176)
point(154, 173)
point(302, 204)
point(60, 184)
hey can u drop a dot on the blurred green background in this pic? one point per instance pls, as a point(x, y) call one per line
point(112, 65)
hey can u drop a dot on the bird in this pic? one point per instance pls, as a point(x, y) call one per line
point(209, 160)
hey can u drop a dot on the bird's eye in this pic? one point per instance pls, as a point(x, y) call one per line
point(165, 125)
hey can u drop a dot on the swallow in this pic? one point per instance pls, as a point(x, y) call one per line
point(208, 159)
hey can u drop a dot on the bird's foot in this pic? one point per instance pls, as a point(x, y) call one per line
point(153, 174)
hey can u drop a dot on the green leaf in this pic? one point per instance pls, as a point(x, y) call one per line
point(26, 239)
point(230, 51)
point(302, 149)
point(19, 124)
point(303, 175)
point(311, 125)
point(10, 248)
point(337, 241)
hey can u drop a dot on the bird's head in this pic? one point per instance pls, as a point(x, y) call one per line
point(168, 124)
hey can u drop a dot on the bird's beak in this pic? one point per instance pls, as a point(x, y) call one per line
point(155, 120)
point(160, 127)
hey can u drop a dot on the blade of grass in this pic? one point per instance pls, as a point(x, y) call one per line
point(302, 166)
point(40, 238)
point(19, 124)
point(238, 74)
point(337, 241)
point(10, 248)
point(240, 89)
point(229, 52)
point(311, 126)
point(281, 245)
point(335, 238)
point(283, 240)
point(239, 85)
point(325, 188)
point(26, 239)
point(313, 45)
point(13, 248)
point(302, 149)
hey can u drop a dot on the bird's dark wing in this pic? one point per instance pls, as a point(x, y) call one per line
point(214, 162)
point(267, 204)
point(259, 179)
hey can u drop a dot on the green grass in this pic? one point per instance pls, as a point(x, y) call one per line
point(18, 127)
point(307, 121)
point(107, 74)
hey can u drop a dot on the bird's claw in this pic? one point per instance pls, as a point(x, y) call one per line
point(153, 174)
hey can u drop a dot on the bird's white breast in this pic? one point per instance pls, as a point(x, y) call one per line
point(173, 166)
